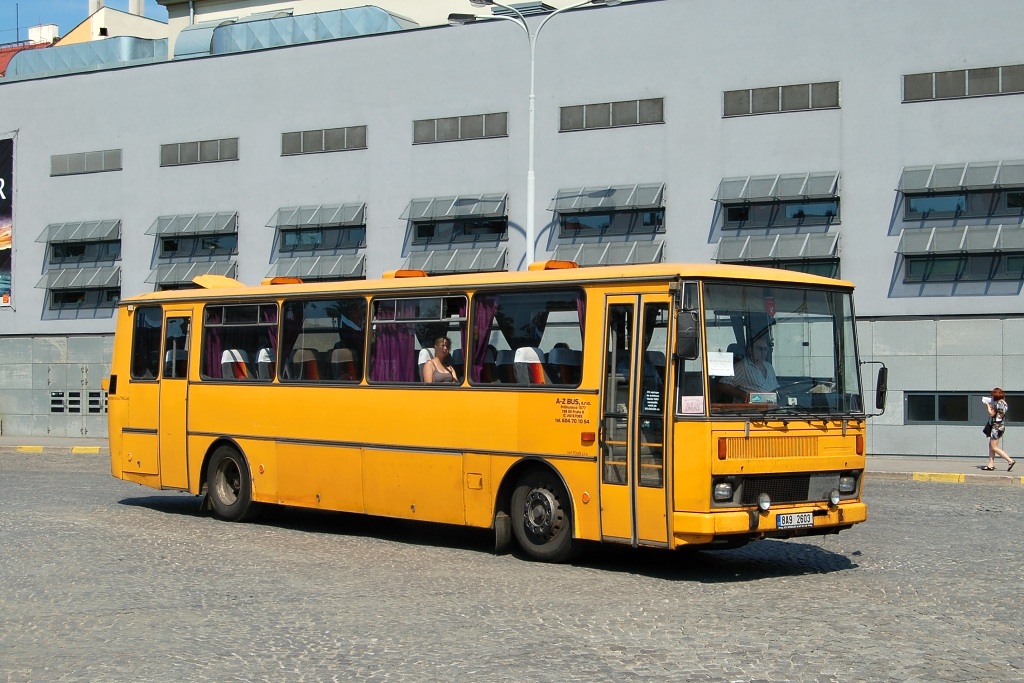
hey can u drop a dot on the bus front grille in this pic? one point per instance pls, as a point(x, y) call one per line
point(791, 488)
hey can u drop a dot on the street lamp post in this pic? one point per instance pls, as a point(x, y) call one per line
point(531, 178)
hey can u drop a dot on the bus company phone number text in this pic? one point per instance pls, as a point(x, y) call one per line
point(573, 411)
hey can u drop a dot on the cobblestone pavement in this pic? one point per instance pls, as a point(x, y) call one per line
point(101, 580)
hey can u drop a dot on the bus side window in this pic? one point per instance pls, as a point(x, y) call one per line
point(322, 340)
point(146, 339)
point(233, 338)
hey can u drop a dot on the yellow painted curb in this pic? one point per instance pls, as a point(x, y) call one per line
point(85, 449)
point(30, 449)
point(939, 476)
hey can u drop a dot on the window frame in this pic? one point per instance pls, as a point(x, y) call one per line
point(196, 243)
point(771, 214)
point(459, 230)
point(92, 252)
point(90, 298)
point(986, 203)
point(649, 111)
point(329, 239)
point(189, 153)
point(620, 222)
point(976, 415)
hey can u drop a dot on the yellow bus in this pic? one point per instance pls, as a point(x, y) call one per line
point(588, 404)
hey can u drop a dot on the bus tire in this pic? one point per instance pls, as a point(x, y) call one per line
point(229, 486)
point(542, 517)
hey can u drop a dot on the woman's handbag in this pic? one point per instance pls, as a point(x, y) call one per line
point(987, 429)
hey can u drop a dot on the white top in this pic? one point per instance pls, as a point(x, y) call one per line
point(751, 378)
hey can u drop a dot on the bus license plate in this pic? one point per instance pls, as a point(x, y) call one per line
point(797, 521)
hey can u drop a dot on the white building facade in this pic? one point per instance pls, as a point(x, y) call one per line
point(875, 141)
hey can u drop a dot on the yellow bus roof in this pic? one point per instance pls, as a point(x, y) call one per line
point(228, 288)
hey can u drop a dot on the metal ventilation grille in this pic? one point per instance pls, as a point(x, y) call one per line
point(757, 448)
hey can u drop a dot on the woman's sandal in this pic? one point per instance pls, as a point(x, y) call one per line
point(989, 469)
point(1012, 463)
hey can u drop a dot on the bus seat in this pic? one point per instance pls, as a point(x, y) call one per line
point(736, 349)
point(265, 364)
point(565, 365)
point(458, 361)
point(305, 364)
point(655, 360)
point(234, 364)
point(488, 373)
point(343, 365)
point(504, 368)
point(175, 362)
point(425, 354)
point(529, 366)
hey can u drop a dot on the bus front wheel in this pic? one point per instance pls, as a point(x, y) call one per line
point(542, 517)
point(230, 486)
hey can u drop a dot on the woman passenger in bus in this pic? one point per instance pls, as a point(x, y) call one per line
point(438, 369)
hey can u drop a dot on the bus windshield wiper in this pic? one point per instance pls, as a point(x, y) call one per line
point(793, 410)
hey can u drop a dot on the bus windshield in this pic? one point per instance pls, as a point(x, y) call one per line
point(781, 350)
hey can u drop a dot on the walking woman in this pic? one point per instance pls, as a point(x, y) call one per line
point(997, 408)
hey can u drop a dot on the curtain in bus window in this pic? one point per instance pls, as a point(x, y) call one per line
point(463, 329)
point(484, 308)
point(581, 311)
point(213, 345)
point(290, 331)
point(269, 315)
point(394, 357)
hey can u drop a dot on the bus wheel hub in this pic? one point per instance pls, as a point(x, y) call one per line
point(543, 513)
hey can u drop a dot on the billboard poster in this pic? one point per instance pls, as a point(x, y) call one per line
point(6, 217)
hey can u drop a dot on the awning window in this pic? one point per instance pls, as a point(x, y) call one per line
point(318, 216)
point(782, 187)
point(984, 175)
point(611, 253)
point(462, 206)
point(82, 278)
point(83, 231)
point(321, 267)
point(778, 247)
point(457, 260)
point(962, 239)
point(195, 224)
point(609, 198)
point(178, 273)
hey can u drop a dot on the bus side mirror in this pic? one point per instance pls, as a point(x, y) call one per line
point(881, 388)
point(687, 336)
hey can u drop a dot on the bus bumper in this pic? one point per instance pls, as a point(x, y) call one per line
point(696, 528)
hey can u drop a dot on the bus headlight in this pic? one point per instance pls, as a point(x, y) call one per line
point(764, 501)
point(723, 491)
point(847, 484)
point(833, 498)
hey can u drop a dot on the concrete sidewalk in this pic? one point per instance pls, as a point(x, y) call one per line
point(895, 467)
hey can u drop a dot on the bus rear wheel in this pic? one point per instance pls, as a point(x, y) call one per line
point(229, 486)
point(542, 517)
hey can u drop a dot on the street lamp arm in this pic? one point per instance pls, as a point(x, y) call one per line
point(519, 22)
point(551, 16)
